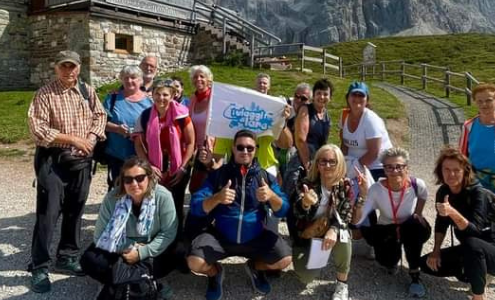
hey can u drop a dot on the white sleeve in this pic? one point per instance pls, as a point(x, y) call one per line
point(137, 126)
point(373, 126)
point(422, 190)
point(369, 204)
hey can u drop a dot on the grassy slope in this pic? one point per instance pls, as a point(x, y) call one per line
point(13, 105)
point(460, 52)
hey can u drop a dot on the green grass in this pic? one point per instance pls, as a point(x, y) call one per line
point(12, 152)
point(14, 105)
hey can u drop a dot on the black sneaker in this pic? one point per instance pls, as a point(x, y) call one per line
point(258, 278)
point(69, 265)
point(40, 282)
point(214, 290)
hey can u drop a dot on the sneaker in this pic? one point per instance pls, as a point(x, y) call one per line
point(341, 291)
point(417, 289)
point(214, 290)
point(165, 291)
point(258, 278)
point(370, 252)
point(40, 282)
point(69, 265)
point(393, 270)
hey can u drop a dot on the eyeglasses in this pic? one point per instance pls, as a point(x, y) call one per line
point(138, 178)
point(391, 168)
point(327, 162)
point(302, 97)
point(241, 148)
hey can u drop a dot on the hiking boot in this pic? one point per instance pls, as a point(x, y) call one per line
point(214, 290)
point(417, 289)
point(69, 265)
point(341, 291)
point(40, 281)
point(165, 291)
point(258, 278)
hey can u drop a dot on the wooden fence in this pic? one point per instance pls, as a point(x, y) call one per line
point(424, 73)
point(297, 53)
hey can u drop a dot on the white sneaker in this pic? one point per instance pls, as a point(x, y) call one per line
point(341, 291)
point(370, 252)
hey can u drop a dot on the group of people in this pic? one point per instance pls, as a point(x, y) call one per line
point(156, 147)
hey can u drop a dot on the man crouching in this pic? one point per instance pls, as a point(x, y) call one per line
point(237, 197)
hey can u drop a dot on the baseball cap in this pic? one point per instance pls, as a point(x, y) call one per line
point(68, 56)
point(359, 87)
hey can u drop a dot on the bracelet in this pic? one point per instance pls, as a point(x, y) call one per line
point(360, 201)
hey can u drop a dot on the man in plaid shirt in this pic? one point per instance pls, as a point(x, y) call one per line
point(66, 119)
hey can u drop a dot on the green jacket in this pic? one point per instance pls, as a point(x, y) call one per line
point(163, 229)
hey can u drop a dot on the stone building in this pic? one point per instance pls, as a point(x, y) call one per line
point(108, 34)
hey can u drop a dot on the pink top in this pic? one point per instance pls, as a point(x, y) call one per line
point(199, 122)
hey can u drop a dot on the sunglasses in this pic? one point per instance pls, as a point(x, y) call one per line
point(241, 148)
point(327, 162)
point(163, 83)
point(130, 179)
point(391, 168)
point(302, 97)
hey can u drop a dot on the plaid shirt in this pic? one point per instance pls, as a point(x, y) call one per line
point(57, 109)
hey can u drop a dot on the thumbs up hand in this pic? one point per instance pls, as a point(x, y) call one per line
point(444, 209)
point(226, 195)
point(309, 197)
point(264, 193)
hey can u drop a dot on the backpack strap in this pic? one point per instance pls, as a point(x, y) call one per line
point(414, 184)
point(145, 117)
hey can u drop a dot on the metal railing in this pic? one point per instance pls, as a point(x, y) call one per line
point(425, 73)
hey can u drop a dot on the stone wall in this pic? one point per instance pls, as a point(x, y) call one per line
point(14, 45)
point(170, 46)
point(51, 33)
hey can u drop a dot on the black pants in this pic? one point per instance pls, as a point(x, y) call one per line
point(388, 248)
point(470, 261)
point(98, 264)
point(178, 193)
point(59, 191)
point(114, 166)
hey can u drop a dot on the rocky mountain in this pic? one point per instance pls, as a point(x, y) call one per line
point(322, 22)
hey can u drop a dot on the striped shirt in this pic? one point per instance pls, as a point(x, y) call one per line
point(57, 109)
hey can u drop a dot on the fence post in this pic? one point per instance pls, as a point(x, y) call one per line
point(469, 87)
point(402, 72)
point(324, 59)
point(252, 50)
point(341, 68)
point(423, 78)
point(363, 73)
point(224, 36)
point(302, 57)
point(383, 71)
point(447, 83)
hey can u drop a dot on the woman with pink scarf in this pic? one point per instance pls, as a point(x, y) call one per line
point(164, 135)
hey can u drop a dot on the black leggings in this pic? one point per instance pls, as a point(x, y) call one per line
point(470, 261)
point(388, 249)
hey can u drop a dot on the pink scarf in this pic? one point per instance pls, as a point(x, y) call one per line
point(174, 111)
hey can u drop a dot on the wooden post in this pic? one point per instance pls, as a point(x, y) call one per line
point(324, 59)
point(302, 57)
point(383, 71)
point(341, 68)
point(423, 78)
point(402, 72)
point(447, 83)
point(363, 71)
point(224, 36)
point(373, 69)
point(252, 50)
point(469, 87)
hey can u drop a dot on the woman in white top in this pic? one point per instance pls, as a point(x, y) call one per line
point(400, 199)
point(364, 135)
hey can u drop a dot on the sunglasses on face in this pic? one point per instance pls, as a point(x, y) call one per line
point(303, 98)
point(241, 148)
point(391, 168)
point(138, 178)
point(327, 162)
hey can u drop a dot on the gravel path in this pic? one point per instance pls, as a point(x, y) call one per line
point(432, 122)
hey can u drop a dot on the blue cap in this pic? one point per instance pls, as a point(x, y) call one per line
point(359, 87)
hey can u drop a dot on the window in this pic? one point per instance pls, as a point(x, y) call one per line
point(123, 43)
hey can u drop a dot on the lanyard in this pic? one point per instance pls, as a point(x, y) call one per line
point(395, 209)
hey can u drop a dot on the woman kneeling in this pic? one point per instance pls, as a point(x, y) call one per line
point(136, 224)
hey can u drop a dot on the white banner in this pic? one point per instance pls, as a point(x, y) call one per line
point(233, 108)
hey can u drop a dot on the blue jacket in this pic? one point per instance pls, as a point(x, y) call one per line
point(244, 219)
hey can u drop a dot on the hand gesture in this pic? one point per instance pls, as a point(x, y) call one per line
point(287, 111)
point(157, 172)
point(309, 196)
point(177, 177)
point(204, 155)
point(123, 130)
point(434, 261)
point(264, 193)
point(444, 209)
point(226, 195)
point(362, 182)
point(131, 256)
point(329, 240)
point(83, 145)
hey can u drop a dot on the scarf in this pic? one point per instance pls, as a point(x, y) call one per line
point(203, 95)
point(174, 111)
point(114, 234)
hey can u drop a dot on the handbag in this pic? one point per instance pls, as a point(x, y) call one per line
point(317, 228)
point(133, 282)
point(64, 158)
